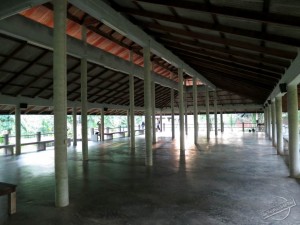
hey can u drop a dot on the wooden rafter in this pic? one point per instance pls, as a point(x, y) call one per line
point(271, 18)
point(219, 28)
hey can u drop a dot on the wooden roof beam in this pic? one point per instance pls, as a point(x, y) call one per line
point(231, 64)
point(210, 49)
point(256, 48)
point(272, 18)
point(213, 27)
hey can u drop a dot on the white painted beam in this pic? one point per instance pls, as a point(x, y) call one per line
point(10, 100)
point(40, 35)
point(224, 108)
point(12, 7)
point(100, 10)
point(200, 88)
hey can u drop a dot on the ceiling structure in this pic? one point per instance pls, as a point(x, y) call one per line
point(242, 47)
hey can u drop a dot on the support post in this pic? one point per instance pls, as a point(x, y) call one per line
point(60, 103)
point(278, 104)
point(181, 108)
point(84, 126)
point(172, 114)
point(265, 121)
point(6, 142)
point(102, 125)
point(270, 120)
point(18, 129)
point(216, 113)
point(74, 113)
point(293, 122)
point(128, 120)
point(131, 102)
point(185, 108)
point(273, 114)
point(207, 112)
point(222, 122)
point(160, 121)
point(195, 110)
point(40, 146)
point(153, 112)
point(147, 100)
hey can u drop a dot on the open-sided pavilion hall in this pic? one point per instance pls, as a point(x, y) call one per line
point(152, 58)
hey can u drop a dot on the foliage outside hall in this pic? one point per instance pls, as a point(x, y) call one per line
point(31, 124)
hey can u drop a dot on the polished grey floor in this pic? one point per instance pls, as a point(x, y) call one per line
point(233, 179)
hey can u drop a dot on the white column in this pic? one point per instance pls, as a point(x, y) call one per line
point(147, 105)
point(270, 119)
point(293, 130)
point(222, 122)
point(207, 113)
point(265, 121)
point(172, 114)
point(102, 124)
point(128, 121)
point(84, 125)
point(153, 112)
point(131, 101)
point(60, 103)
point(74, 126)
point(185, 109)
point(18, 129)
point(195, 100)
point(160, 120)
point(181, 108)
point(278, 104)
point(273, 114)
point(216, 113)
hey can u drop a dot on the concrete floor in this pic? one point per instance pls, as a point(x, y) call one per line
point(233, 179)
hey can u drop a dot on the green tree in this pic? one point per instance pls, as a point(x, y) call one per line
point(7, 123)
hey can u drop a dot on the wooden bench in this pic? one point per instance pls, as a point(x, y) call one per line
point(41, 145)
point(110, 135)
point(10, 191)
